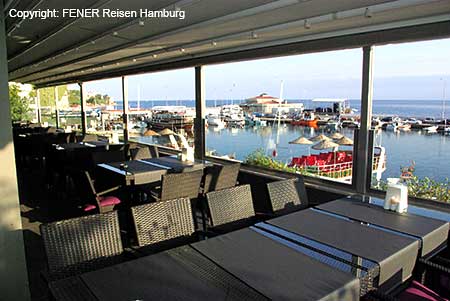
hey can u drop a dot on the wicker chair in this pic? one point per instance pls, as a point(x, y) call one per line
point(177, 185)
point(163, 224)
point(284, 197)
point(89, 137)
point(103, 203)
point(220, 177)
point(144, 152)
point(229, 209)
point(82, 244)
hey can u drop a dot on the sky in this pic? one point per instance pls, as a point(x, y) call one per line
point(412, 71)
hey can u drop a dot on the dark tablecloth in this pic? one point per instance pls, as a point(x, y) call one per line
point(395, 254)
point(432, 232)
point(276, 270)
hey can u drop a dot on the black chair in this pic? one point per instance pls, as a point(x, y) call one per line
point(82, 244)
point(229, 209)
point(220, 177)
point(89, 137)
point(284, 197)
point(99, 200)
point(177, 185)
point(117, 147)
point(164, 224)
point(144, 153)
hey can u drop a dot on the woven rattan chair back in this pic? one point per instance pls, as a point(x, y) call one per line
point(81, 244)
point(90, 137)
point(163, 221)
point(181, 185)
point(283, 195)
point(221, 177)
point(230, 205)
point(140, 153)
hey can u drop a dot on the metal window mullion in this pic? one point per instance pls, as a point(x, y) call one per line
point(83, 108)
point(125, 108)
point(200, 109)
point(362, 147)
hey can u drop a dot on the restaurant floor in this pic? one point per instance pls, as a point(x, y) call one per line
point(34, 206)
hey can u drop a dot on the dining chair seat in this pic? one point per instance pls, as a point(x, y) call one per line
point(103, 202)
point(419, 292)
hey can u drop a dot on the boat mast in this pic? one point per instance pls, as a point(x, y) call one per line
point(443, 103)
point(279, 112)
point(139, 97)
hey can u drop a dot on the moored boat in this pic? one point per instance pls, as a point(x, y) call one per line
point(308, 118)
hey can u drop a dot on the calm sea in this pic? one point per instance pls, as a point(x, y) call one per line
point(431, 153)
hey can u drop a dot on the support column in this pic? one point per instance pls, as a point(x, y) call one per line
point(200, 110)
point(362, 151)
point(13, 270)
point(125, 108)
point(56, 107)
point(38, 106)
point(83, 108)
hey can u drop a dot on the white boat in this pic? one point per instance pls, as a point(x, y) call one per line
point(404, 127)
point(235, 120)
point(393, 126)
point(447, 131)
point(214, 120)
point(431, 129)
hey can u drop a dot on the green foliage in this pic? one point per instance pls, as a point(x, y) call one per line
point(74, 97)
point(425, 188)
point(48, 96)
point(19, 105)
point(259, 158)
point(99, 99)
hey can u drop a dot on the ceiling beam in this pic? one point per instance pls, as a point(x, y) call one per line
point(209, 22)
point(88, 41)
point(55, 31)
point(398, 35)
point(295, 23)
point(15, 25)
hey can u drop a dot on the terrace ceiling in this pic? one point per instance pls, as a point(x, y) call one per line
point(61, 50)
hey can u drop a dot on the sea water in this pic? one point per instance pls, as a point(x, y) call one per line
point(431, 153)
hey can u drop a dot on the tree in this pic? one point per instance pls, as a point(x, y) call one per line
point(19, 105)
point(48, 97)
point(74, 97)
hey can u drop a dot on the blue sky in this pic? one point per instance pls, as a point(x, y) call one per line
point(403, 71)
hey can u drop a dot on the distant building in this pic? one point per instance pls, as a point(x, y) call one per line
point(266, 104)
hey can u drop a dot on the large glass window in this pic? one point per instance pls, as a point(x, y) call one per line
point(162, 108)
point(412, 116)
point(104, 108)
point(287, 113)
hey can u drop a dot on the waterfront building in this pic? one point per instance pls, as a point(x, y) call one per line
point(266, 104)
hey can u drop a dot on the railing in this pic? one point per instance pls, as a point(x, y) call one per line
point(341, 171)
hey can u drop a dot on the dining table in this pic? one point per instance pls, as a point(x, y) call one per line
point(433, 233)
point(228, 267)
point(146, 171)
point(394, 254)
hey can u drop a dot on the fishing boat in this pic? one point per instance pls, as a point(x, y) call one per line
point(171, 117)
point(308, 118)
point(337, 165)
